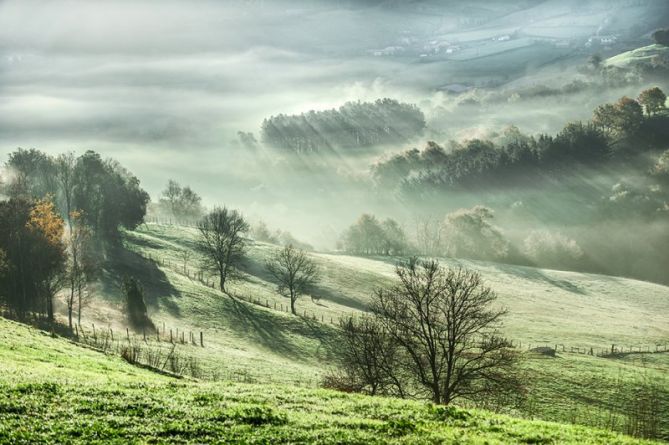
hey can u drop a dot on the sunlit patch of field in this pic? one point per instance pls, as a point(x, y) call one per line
point(639, 55)
point(52, 391)
point(249, 339)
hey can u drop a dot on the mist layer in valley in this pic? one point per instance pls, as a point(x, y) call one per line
point(183, 93)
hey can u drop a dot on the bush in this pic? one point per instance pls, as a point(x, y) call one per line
point(552, 249)
point(135, 306)
point(661, 37)
point(340, 381)
point(469, 234)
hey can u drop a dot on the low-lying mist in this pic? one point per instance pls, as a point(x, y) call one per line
point(181, 93)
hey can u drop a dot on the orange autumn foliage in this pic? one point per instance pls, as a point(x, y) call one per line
point(45, 220)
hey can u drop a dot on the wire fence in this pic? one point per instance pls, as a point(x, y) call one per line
point(210, 282)
point(173, 352)
point(616, 350)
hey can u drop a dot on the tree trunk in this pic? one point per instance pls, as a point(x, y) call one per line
point(70, 305)
point(436, 396)
point(49, 306)
point(79, 308)
point(292, 305)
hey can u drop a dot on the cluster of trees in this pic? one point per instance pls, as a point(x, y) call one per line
point(32, 256)
point(369, 236)
point(260, 232)
point(181, 203)
point(435, 335)
point(469, 233)
point(466, 233)
point(552, 249)
point(59, 213)
point(615, 131)
point(104, 193)
point(354, 124)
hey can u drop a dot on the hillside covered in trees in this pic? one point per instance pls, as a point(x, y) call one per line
point(353, 125)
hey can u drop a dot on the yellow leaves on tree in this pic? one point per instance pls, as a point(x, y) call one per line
point(46, 221)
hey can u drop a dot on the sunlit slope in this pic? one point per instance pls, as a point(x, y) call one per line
point(545, 306)
point(52, 391)
point(639, 55)
point(31, 356)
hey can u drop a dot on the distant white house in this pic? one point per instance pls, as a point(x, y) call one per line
point(502, 38)
point(602, 40)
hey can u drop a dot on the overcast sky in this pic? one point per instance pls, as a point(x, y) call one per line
point(163, 86)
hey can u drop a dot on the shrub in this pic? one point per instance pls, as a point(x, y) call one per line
point(661, 37)
point(135, 306)
point(552, 248)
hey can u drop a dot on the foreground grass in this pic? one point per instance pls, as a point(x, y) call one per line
point(52, 391)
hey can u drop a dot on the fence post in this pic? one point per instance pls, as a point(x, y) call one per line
point(171, 338)
point(144, 333)
point(127, 333)
point(201, 339)
point(111, 331)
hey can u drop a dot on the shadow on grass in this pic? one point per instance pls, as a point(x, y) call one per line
point(257, 269)
point(533, 274)
point(158, 291)
point(270, 331)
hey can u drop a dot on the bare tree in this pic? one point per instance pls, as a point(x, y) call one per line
point(221, 241)
point(185, 256)
point(65, 164)
point(370, 358)
point(294, 272)
point(443, 322)
point(429, 234)
point(81, 264)
point(171, 195)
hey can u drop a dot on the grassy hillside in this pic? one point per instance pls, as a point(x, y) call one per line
point(252, 342)
point(638, 55)
point(52, 391)
point(545, 306)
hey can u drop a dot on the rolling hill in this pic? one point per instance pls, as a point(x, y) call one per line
point(250, 337)
point(636, 56)
point(53, 391)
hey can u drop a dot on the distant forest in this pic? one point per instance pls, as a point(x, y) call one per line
point(628, 130)
point(353, 125)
